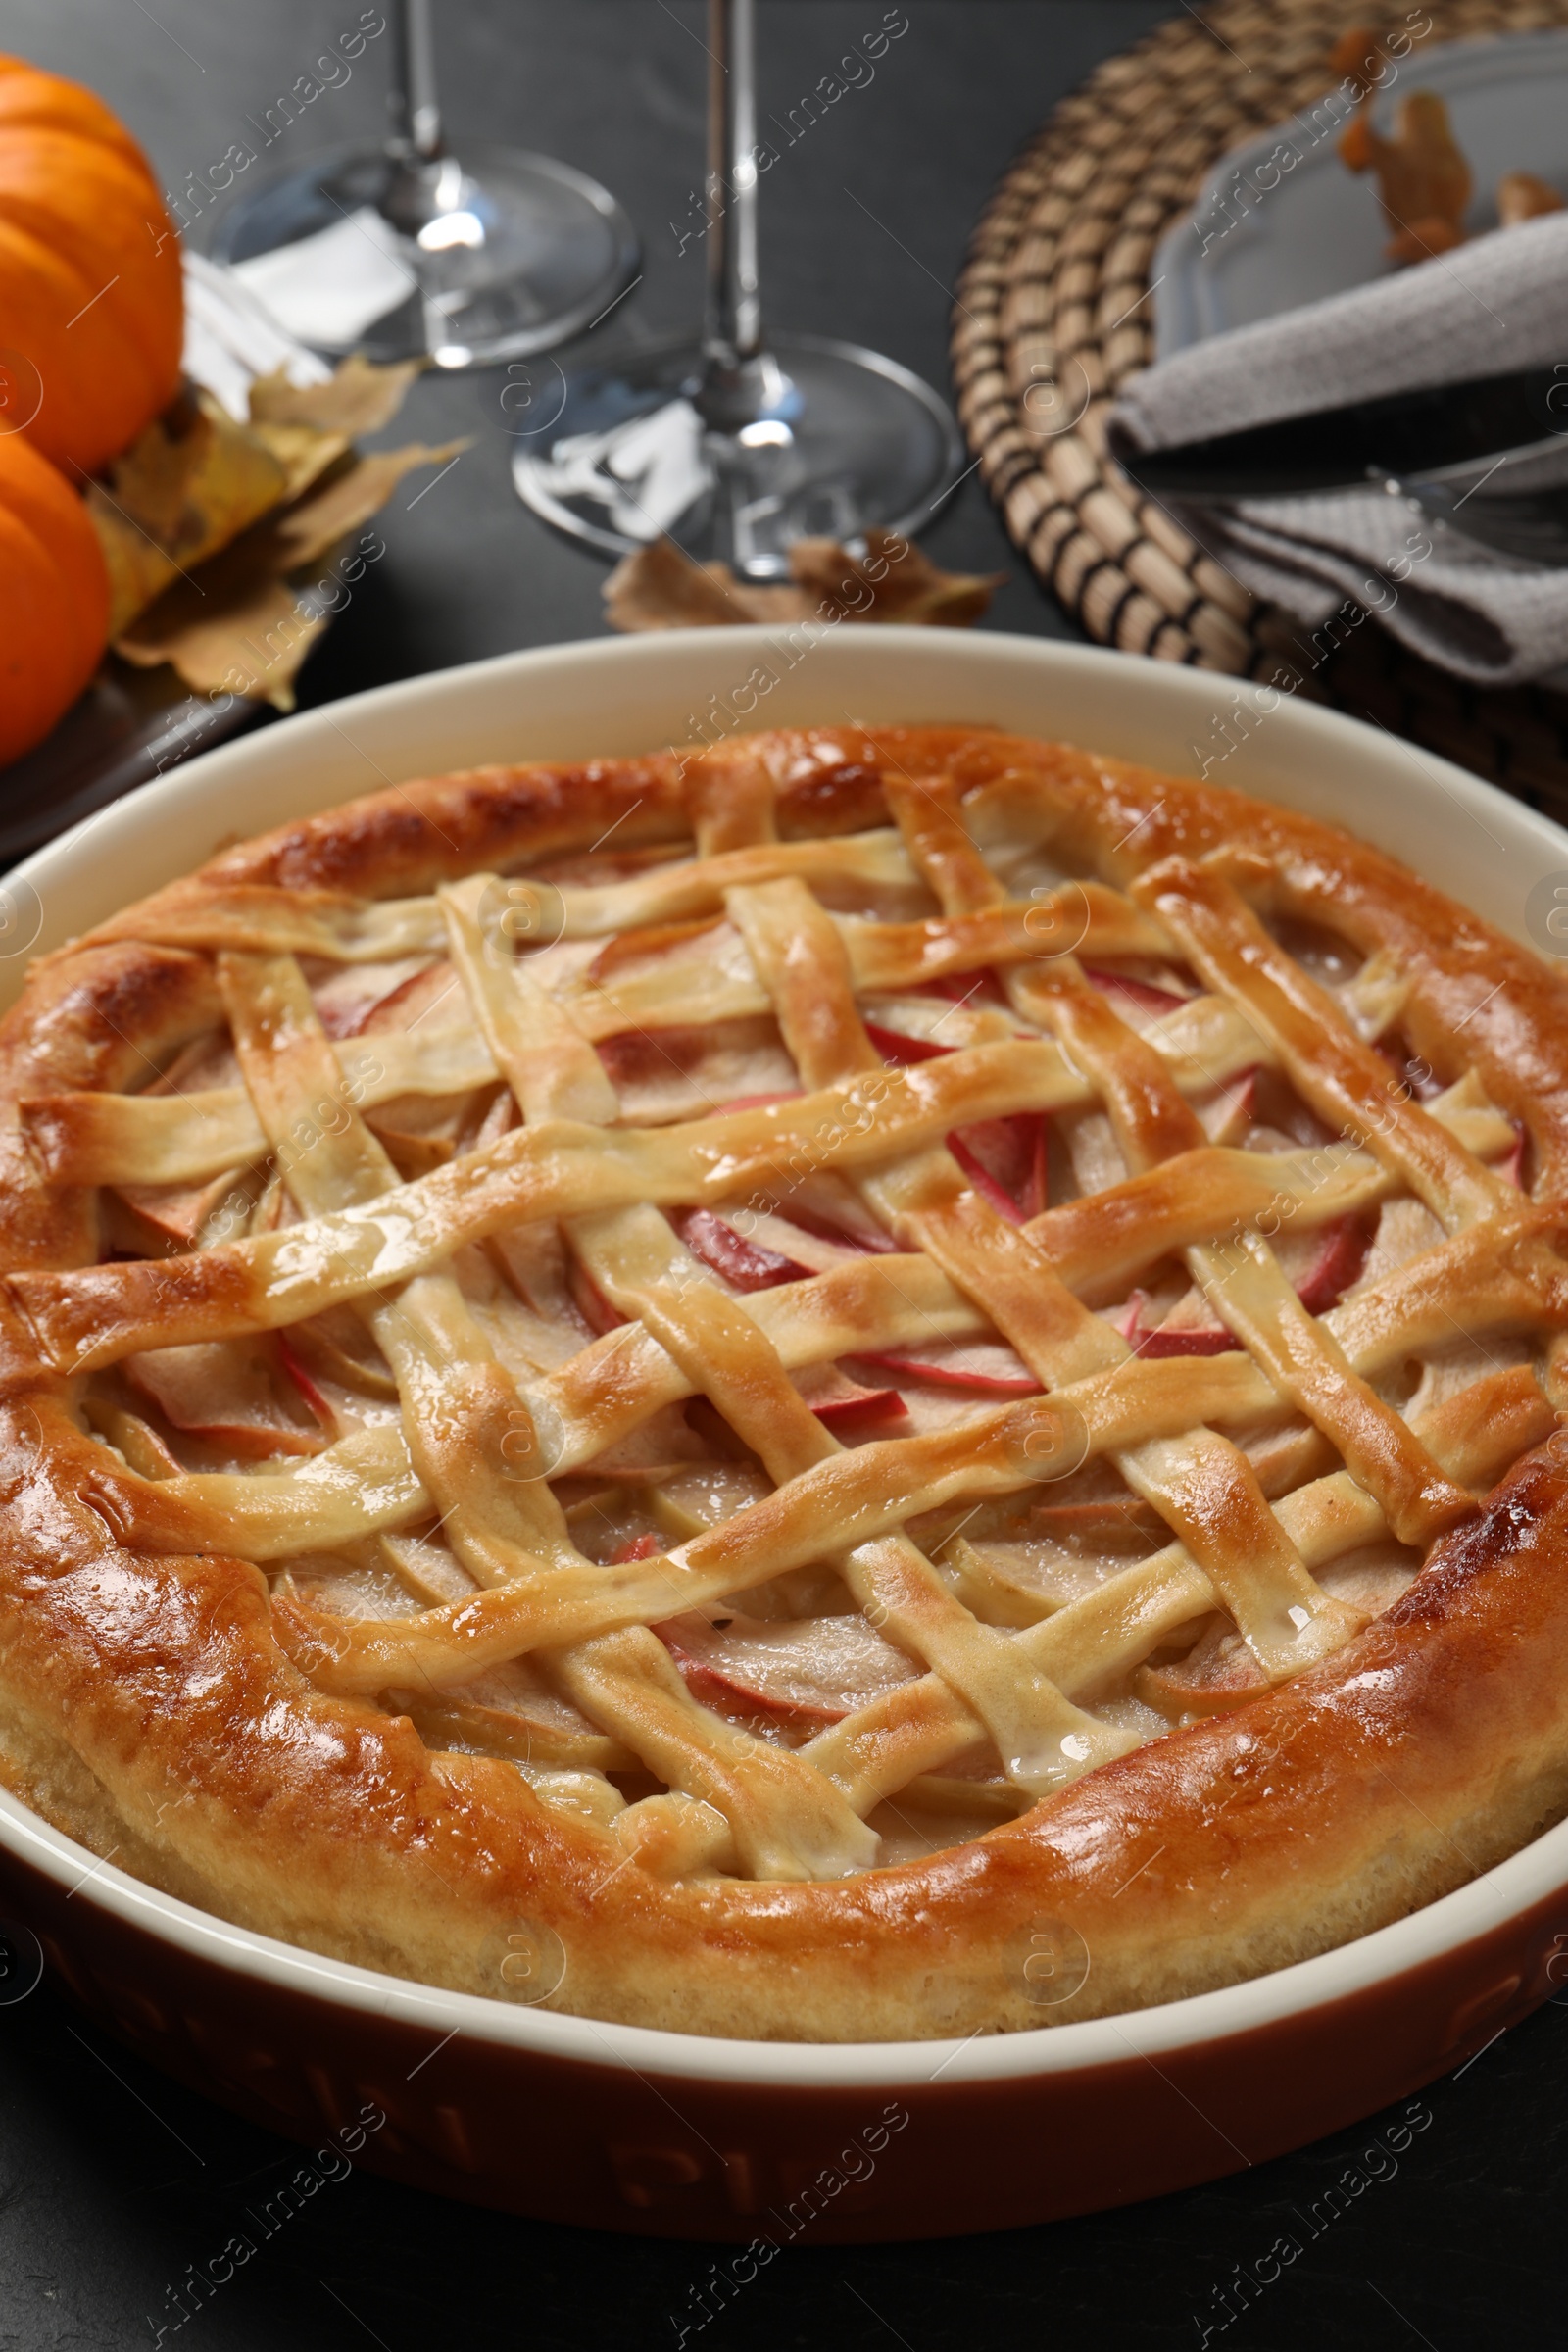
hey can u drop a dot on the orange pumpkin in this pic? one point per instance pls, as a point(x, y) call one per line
point(91, 301)
point(54, 597)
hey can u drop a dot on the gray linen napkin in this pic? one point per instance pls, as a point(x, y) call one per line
point(1499, 303)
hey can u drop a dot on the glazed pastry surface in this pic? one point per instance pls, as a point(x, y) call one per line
point(873, 1384)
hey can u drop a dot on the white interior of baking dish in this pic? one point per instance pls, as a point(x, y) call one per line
point(628, 696)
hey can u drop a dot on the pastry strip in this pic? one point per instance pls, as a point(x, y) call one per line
point(1200, 1484)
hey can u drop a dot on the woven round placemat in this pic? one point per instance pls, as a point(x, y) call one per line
point(1053, 315)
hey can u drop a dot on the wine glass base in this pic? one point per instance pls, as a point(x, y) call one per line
point(463, 261)
point(846, 441)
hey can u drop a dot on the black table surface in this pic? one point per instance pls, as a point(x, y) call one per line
point(112, 2178)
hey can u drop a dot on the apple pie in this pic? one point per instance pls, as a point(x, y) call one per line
point(869, 1384)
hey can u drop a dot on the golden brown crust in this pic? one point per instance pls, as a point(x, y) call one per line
point(1430, 1745)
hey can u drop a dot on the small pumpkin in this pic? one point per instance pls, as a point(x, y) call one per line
point(54, 597)
point(91, 298)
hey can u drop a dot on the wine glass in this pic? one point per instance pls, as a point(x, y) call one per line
point(737, 444)
point(403, 250)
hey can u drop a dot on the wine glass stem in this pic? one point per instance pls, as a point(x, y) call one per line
point(732, 331)
point(415, 114)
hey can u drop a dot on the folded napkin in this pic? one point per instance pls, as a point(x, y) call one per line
point(1499, 303)
point(327, 288)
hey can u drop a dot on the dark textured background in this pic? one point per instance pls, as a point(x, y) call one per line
point(112, 2179)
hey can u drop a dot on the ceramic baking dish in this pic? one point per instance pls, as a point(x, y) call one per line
point(665, 2133)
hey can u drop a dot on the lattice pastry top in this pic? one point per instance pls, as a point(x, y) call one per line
point(870, 1384)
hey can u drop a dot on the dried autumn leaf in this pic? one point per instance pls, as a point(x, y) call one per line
point(657, 587)
point(1424, 181)
point(303, 454)
point(309, 427)
point(1521, 196)
point(249, 638)
point(359, 398)
point(893, 581)
point(244, 620)
point(196, 479)
point(184, 488)
point(1359, 58)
